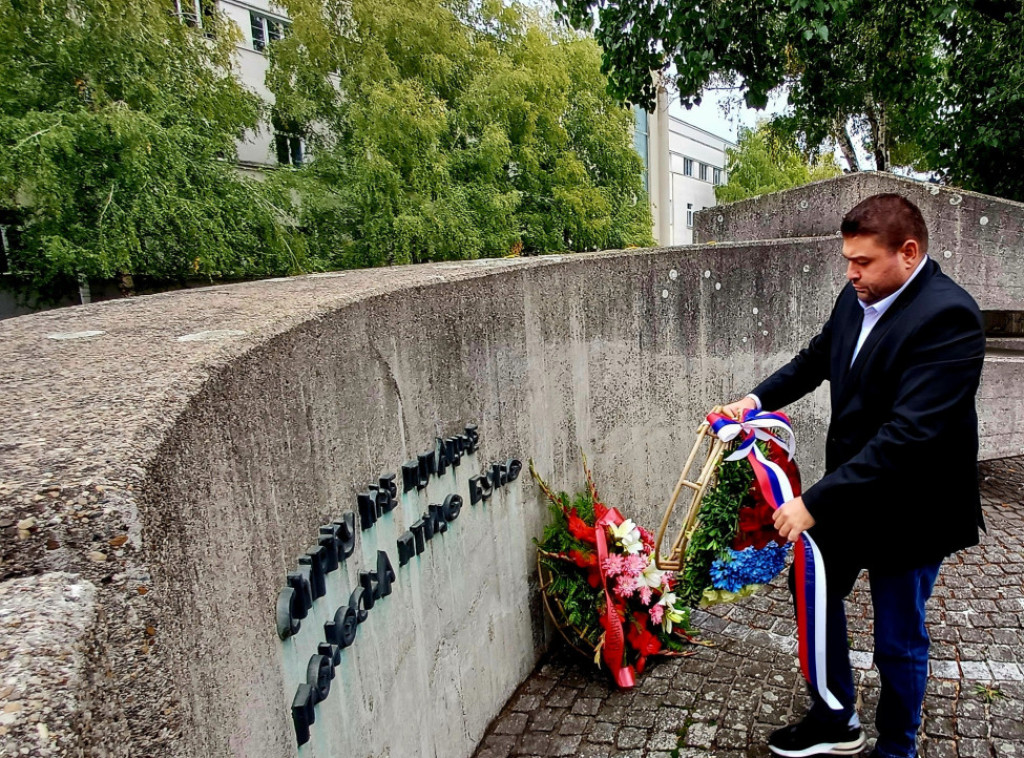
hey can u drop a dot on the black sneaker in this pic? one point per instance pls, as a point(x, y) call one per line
point(814, 738)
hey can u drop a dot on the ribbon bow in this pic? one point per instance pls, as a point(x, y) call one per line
point(753, 426)
point(808, 566)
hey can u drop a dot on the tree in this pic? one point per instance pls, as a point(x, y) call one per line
point(920, 79)
point(979, 139)
point(766, 161)
point(118, 122)
point(454, 130)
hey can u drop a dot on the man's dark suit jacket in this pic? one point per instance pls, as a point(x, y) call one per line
point(901, 483)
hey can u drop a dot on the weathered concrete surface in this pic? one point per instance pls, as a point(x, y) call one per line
point(726, 700)
point(178, 451)
point(978, 239)
point(48, 634)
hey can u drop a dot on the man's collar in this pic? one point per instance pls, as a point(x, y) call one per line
point(883, 305)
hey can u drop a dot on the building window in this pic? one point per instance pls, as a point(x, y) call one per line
point(5, 246)
point(290, 149)
point(265, 30)
point(195, 13)
point(687, 166)
point(641, 136)
point(10, 237)
point(718, 176)
point(704, 172)
point(689, 215)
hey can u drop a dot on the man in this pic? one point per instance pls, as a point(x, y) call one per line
point(903, 352)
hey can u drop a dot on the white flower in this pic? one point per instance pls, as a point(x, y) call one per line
point(651, 576)
point(673, 615)
point(628, 536)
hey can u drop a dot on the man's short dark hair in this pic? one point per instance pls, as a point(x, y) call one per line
point(890, 217)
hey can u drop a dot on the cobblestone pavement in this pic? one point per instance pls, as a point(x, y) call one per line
point(725, 700)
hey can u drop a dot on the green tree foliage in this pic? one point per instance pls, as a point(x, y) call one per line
point(454, 130)
point(117, 129)
point(767, 161)
point(979, 140)
point(936, 84)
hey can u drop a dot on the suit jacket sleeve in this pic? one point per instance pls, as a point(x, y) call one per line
point(808, 369)
point(940, 377)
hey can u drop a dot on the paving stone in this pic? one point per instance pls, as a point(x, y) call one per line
point(943, 749)
point(497, 746)
point(512, 723)
point(545, 719)
point(565, 745)
point(586, 706)
point(603, 732)
point(945, 669)
point(973, 748)
point(701, 735)
point(1001, 671)
point(533, 744)
point(977, 670)
point(588, 750)
point(573, 724)
point(662, 741)
point(525, 703)
point(630, 737)
point(561, 697)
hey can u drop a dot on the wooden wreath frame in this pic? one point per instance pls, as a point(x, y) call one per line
point(572, 636)
point(676, 555)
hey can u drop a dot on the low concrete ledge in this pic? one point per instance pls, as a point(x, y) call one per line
point(978, 239)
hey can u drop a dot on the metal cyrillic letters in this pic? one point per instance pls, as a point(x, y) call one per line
point(336, 542)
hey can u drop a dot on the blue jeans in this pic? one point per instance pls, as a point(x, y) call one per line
point(901, 654)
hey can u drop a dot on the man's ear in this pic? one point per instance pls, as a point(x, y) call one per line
point(910, 253)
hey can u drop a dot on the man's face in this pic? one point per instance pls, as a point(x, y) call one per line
point(874, 271)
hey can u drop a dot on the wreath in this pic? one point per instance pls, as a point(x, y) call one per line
point(600, 578)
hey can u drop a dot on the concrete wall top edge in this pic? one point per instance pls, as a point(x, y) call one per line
point(897, 182)
point(114, 375)
point(977, 239)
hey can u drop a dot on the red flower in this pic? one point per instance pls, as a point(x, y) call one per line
point(641, 639)
point(587, 561)
point(756, 528)
point(583, 560)
point(578, 528)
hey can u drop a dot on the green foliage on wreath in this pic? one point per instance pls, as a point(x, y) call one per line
point(582, 605)
point(716, 527)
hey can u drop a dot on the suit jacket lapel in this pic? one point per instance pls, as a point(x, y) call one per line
point(889, 318)
point(849, 332)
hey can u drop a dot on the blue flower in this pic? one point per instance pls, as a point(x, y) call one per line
point(738, 568)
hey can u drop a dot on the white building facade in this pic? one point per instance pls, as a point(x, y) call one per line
point(684, 165)
point(260, 22)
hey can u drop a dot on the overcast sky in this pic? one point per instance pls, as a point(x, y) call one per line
point(720, 114)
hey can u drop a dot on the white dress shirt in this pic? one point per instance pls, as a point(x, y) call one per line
point(875, 311)
point(872, 313)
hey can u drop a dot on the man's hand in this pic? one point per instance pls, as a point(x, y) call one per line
point(735, 410)
point(792, 519)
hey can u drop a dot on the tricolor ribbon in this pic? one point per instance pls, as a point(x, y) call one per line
point(808, 566)
point(614, 638)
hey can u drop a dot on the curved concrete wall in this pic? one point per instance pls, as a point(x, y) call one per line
point(180, 458)
point(183, 457)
